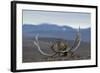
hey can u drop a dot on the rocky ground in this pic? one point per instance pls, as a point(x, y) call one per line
point(31, 53)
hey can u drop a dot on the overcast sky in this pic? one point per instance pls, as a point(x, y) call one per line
point(71, 19)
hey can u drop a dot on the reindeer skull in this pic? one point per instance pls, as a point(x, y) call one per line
point(60, 47)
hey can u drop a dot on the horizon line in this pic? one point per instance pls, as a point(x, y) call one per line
point(58, 25)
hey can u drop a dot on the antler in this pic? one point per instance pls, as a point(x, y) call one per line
point(75, 45)
point(39, 49)
point(73, 48)
point(77, 41)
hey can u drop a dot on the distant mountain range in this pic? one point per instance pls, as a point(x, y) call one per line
point(54, 31)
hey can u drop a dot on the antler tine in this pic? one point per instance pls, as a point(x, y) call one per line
point(39, 49)
point(76, 41)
